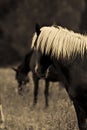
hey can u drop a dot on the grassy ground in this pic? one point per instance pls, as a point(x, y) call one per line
point(20, 113)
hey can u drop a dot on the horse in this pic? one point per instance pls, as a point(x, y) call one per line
point(66, 50)
point(22, 76)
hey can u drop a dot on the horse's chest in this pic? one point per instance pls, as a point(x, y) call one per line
point(78, 75)
point(78, 82)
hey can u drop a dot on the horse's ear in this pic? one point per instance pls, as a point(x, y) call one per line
point(14, 69)
point(37, 29)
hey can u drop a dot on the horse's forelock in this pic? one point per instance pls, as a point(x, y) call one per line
point(45, 35)
point(34, 40)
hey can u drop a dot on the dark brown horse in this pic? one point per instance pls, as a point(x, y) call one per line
point(67, 52)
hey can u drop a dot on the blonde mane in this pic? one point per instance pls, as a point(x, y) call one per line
point(60, 41)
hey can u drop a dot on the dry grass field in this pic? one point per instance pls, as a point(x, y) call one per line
point(21, 115)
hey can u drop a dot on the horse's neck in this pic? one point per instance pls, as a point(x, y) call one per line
point(26, 62)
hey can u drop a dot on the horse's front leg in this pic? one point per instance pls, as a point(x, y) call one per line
point(46, 92)
point(36, 85)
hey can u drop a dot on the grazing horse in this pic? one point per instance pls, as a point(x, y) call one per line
point(67, 52)
point(22, 76)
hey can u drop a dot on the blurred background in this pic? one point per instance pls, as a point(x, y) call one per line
point(18, 18)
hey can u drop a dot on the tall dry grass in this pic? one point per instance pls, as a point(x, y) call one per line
point(21, 115)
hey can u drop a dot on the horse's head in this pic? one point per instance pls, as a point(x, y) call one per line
point(21, 77)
